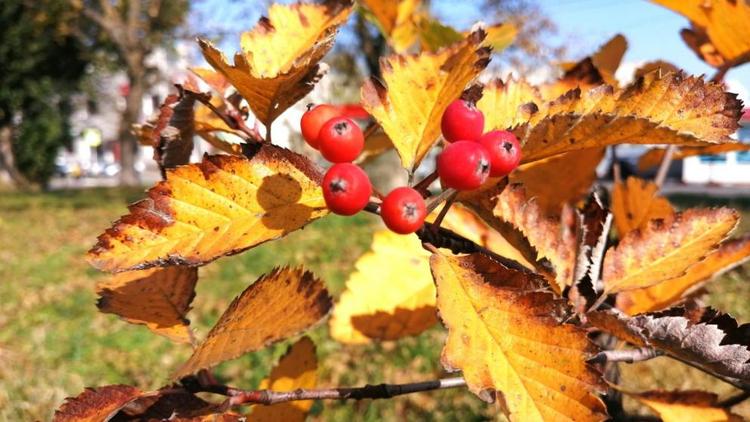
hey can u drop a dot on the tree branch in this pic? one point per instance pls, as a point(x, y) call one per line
point(369, 391)
point(627, 356)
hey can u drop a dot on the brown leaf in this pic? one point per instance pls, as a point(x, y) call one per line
point(594, 222)
point(665, 249)
point(222, 206)
point(686, 406)
point(156, 298)
point(730, 254)
point(635, 203)
point(704, 337)
point(296, 369)
point(168, 403)
point(657, 65)
point(415, 91)
point(278, 305)
point(670, 109)
point(278, 64)
point(543, 182)
point(96, 404)
point(505, 334)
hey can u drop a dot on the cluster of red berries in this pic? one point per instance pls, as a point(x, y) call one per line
point(469, 159)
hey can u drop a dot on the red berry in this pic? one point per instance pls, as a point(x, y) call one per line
point(346, 189)
point(504, 151)
point(314, 119)
point(463, 165)
point(340, 140)
point(462, 121)
point(403, 210)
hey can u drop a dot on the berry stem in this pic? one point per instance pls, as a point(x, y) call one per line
point(423, 185)
point(434, 201)
point(444, 210)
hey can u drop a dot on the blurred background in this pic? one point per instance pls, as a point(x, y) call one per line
point(75, 75)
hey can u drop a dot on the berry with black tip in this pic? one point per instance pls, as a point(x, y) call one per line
point(314, 119)
point(346, 189)
point(504, 151)
point(463, 165)
point(403, 210)
point(462, 121)
point(340, 140)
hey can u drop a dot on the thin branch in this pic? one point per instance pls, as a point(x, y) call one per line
point(720, 73)
point(425, 183)
point(444, 210)
point(438, 199)
point(233, 119)
point(666, 162)
point(269, 397)
point(734, 400)
point(627, 356)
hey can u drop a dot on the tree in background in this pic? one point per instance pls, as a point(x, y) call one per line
point(40, 66)
point(131, 29)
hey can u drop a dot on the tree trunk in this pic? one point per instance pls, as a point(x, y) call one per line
point(8, 172)
point(128, 141)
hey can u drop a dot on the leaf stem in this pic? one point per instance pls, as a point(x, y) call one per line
point(627, 356)
point(233, 119)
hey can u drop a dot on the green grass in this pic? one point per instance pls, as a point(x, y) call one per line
point(53, 342)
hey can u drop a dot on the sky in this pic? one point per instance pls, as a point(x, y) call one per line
point(652, 31)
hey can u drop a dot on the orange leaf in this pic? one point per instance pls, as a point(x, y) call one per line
point(720, 33)
point(686, 406)
point(505, 334)
point(278, 305)
point(396, 20)
point(665, 249)
point(654, 156)
point(543, 182)
point(156, 298)
point(731, 254)
point(417, 90)
point(296, 369)
point(389, 296)
point(222, 206)
point(96, 404)
point(635, 202)
point(670, 109)
point(278, 64)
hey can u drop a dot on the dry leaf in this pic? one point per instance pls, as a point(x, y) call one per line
point(635, 202)
point(594, 223)
point(670, 109)
point(704, 337)
point(222, 206)
point(720, 32)
point(167, 403)
point(296, 369)
point(658, 65)
point(665, 249)
point(543, 182)
point(654, 156)
point(96, 404)
point(390, 295)
point(686, 406)
point(278, 64)
point(417, 90)
point(508, 104)
point(278, 305)
point(156, 298)
point(731, 254)
point(505, 335)
point(396, 20)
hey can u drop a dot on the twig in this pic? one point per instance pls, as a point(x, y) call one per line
point(444, 210)
point(734, 400)
point(425, 183)
point(666, 162)
point(627, 356)
point(720, 73)
point(232, 118)
point(434, 201)
point(379, 391)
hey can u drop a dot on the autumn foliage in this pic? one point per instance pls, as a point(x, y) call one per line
point(542, 282)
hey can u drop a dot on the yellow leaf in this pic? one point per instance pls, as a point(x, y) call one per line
point(721, 29)
point(395, 18)
point(389, 296)
point(665, 249)
point(500, 36)
point(278, 305)
point(419, 88)
point(278, 64)
point(508, 104)
point(543, 182)
point(731, 254)
point(296, 369)
point(156, 298)
point(505, 335)
point(670, 109)
point(654, 156)
point(686, 406)
point(635, 202)
point(96, 404)
point(222, 206)
point(434, 35)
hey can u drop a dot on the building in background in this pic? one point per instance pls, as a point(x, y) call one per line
point(732, 168)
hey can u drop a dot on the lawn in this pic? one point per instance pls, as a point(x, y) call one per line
point(54, 342)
